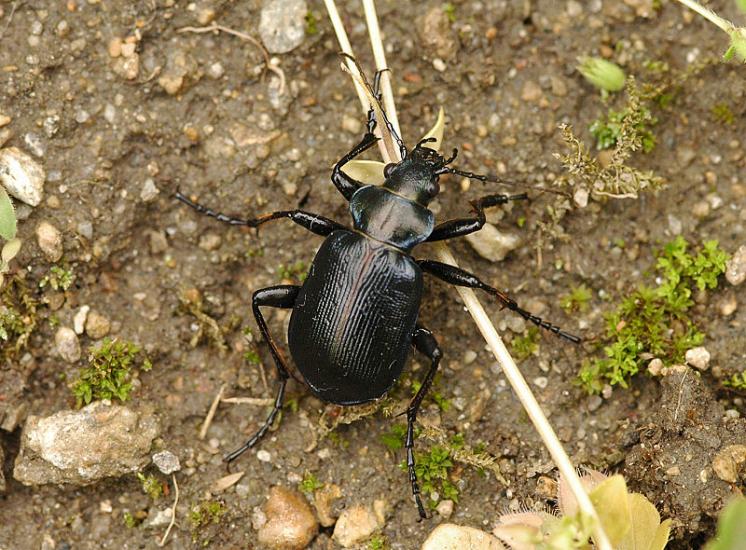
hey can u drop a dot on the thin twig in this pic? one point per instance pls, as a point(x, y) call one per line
point(710, 15)
point(563, 462)
point(211, 413)
point(260, 401)
point(243, 36)
point(173, 512)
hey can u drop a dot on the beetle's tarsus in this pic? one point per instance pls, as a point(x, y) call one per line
point(464, 226)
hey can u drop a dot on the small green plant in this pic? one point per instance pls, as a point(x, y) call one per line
point(523, 347)
point(394, 439)
point(433, 469)
point(737, 381)
point(442, 402)
point(603, 74)
point(108, 373)
point(312, 24)
point(577, 299)
point(378, 542)
point(722, 113)
point(151, 485)
point(294, 272)
point(654, 322)
point(206, 513)
point(310, 483)
point(18, 318)
point(450, 10)
point(129, 520)
point(58, 278)
point(608, 131)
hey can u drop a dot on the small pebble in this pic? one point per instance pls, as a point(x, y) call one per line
point(449, 536)
point(728, 306)
point(96, 325)
point(167, 462)
point(655, 367)
point(127, 67)
point(21, 176)
point(49, 239)
point(149, 190)
point(215, 70)
point(355, 525)
point(210, 241)
point(492, 244)
point(594, 402)
point(68, 345)
point(541, 382)
point(735, 268)
point(727, 462)
point(439, 65)
point(4, 120)
point(531, 92)
point(289, 521)
point(469, 357)
point(264, 456)
point(698, 357)
point(445, 509)
point(282, 24)
point(80, 318)
point(324, 500)
point(580, 197)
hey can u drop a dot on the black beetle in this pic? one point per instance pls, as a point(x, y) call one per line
point(355, 316)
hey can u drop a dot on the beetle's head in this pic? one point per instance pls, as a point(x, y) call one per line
point(416, 176)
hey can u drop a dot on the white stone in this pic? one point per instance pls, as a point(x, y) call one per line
point(68, 345)
point(21, 176)
point(698, 357)
point(355, 525)
point(449, 536)
point(492, 244)
point(735, 269)
point(80, 318)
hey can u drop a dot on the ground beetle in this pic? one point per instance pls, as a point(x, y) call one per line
point(355, 316)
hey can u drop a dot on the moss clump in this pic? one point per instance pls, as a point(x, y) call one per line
point(523, 347)
point(310, 483)
point(18, 318)
point(433, 470)
point(737, 381)
point(201, 516)
point(151, 485)
point(58, 278)
point(296, 272)
point(108, 373)
point(607, 131)
point(577, 299)
point(655, 322)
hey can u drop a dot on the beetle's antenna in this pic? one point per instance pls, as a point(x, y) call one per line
point(488, 178)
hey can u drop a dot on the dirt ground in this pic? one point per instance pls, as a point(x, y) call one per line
point(200, 114)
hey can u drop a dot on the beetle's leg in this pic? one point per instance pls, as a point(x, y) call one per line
point(282, 296)
point(424, 341)
point(463, 226)
point(313, 222)
point(344, 183)
point(459, 277)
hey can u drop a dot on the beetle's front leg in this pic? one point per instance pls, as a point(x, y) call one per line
point(464, 226)
point(282, 296)
point(424, 342)
point(344, 183)
point(457, 276)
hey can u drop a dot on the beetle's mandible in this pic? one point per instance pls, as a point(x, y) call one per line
point(355, 317)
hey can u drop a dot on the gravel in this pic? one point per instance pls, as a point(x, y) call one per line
point(22, 176)
point(449, 536)
point(288, 523)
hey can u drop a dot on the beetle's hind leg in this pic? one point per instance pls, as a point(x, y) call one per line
point(281, 296)
point(424, 341)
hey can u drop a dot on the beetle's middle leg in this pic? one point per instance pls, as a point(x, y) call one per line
point(424, 341)
point(459, 277)
point(464, 226)
point(281, 296)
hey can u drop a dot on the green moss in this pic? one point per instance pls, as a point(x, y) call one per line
point(18, 318)
point(577, 299)
point(312, 24)
point(310, 483)
point(151, 485)
point(722, 113)
point(378, 542)
point(394, 439)
point(523, 347)
point(201, 516)
point(129, 520)
point(737, 381)
point(655, 321)
point(296, 272)
point(450, 10)
point(58, 278)
point(108, 373)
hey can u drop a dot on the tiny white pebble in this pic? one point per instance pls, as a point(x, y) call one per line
point(439, 65)
point(698, 357)
point(541, 382)
point(264, 456)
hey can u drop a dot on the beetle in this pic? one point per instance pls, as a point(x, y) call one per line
point(355, 316)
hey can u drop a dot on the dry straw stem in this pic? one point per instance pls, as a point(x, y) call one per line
point(470, 299)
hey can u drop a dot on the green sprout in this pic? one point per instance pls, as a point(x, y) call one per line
point(394, 439)
point(433, 469)
point(722, 113)
point(378, 542)
point(523, 347)
point(655, 322)
point(58, 278)
point(577, 299)
point(129, 520)
point(151, 485)
point(312, 24)
point(108, 373)
point(603, 74)
point(204, 514)
point(737, 381)
point(294, 272)
point(608, 132)
point(450, 10)
point(310, 483)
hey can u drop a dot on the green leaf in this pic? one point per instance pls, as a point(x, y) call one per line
point(647, 532)
point(731, 527)
point(610, 500)
point(7, 216)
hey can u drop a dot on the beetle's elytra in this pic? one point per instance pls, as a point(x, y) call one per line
point(355, 317)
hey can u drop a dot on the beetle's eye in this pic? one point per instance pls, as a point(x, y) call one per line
point(388, 169)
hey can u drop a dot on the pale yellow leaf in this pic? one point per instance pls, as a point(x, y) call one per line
point(611, 502)
point(437, 131)
point(366, 171)
point(225, 482)
point(661, 536)
point(645, 522)
point(10, 249)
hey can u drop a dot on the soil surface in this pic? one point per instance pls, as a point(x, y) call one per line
point(119, 126)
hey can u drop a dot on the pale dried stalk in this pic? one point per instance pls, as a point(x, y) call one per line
point(710, 15)
point(475, 308)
